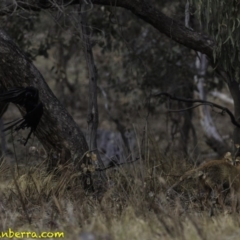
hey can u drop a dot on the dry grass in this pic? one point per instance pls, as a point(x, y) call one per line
point(135, 206)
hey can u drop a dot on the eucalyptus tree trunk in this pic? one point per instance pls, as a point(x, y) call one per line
point(213, 138)
point(57, 131)
point(234, 88)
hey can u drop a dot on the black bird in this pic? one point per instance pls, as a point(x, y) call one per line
point(29, 99)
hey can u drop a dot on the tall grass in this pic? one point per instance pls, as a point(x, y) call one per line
point(134, 206)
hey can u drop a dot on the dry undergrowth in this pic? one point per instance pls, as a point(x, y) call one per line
point(135, 206)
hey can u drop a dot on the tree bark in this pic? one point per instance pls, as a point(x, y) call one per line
point(57, 131)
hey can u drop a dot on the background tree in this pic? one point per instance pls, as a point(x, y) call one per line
point(128, 74)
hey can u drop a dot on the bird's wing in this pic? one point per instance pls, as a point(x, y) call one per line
point(28, 98)
point(33, 117)
point(20, 95)
point(15, 95)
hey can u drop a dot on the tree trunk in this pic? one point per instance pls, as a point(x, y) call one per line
point(235, 92)
point(213, 138)
point(93, 78)
point(57, 131)
point(187, 124)
point(93, 118)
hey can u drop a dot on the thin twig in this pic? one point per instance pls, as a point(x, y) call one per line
point(115, 165)
point(186, 109)
point(230, 114)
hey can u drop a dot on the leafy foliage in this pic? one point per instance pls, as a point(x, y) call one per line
point(221, 19)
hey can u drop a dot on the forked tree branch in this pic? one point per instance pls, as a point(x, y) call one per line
point(141, 8)
point(202, 102)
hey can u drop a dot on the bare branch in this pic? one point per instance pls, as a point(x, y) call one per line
point(142, 9)
point(186, 109)
point(213, 105)
point(115, 164)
